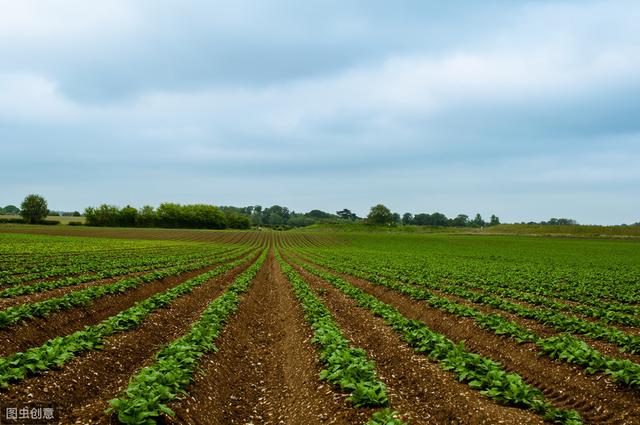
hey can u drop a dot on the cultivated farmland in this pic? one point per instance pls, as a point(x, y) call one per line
point(201, 327)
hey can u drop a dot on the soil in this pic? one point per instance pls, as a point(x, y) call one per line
point(417, 387)
point(267, 370)
point(84, 385)
point(35, 332)
point(596, 397)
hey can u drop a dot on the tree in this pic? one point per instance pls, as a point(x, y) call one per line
point(34, 208)
point(407, 219)
point(461, 220)
point(128, 216)
point(380, 215)
point(318, 214)
point(478, 221)
point(494, 220)
point(346, 214)
point(146, 216)
point(11, 209)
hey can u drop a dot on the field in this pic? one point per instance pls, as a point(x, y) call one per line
point(102, 326)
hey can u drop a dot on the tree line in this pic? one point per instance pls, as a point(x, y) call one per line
point(202, 216)
point(196, 216)
point(381, 215)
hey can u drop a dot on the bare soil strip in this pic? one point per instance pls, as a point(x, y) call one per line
point(83, 387)
point(597, 398)
point(266, 371)
point(421, 391)
point(33, 333)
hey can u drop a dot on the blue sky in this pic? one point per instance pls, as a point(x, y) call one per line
point(525, 109)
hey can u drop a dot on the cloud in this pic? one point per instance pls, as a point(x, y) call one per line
point(411, 105)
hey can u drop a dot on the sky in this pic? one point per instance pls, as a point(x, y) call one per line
point(523, 109)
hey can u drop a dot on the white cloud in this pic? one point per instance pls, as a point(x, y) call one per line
point(34, 99)
point(31, 21)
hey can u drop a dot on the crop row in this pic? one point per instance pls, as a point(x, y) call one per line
point(627, 342)
point(609, 312)
point(564, 347)
point(149, 391)
point(57, 351)
point(84, 297)
point(86, 263)
point(476, 371)
point(47, 256)
point(542, 267)
point(143, 264)
point(345, 366)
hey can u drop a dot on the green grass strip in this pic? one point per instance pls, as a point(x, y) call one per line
point(153, 387)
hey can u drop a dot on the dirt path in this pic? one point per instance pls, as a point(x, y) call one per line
point(33, 333)
point(83, 386)
point(266, 371)
point(595, 397)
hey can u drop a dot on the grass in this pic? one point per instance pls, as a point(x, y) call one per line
point(588, 231)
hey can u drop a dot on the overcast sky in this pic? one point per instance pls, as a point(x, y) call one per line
point(525, 109)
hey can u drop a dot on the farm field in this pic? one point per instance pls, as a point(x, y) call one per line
point(101, 326)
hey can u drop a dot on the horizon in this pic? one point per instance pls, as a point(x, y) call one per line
point(512, 109)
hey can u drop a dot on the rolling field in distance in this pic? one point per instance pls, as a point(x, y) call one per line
point(114, 325)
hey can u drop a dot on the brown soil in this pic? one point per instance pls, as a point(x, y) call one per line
point(85, 384)
point(33, 333)
point(606, 348)
point(597, 398)
point(421, 391)
point(266, 371)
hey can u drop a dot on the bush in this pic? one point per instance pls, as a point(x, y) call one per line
point(12, 220)
point(75, 223)
point(49, 222)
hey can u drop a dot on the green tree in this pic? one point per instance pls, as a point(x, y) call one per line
point(494, 220)
point(127, 216)
point(146, 216)
point(478, 221)
point(407, 219)
point(318, 214)
point(11, 209)
point(346, 214)
point(34, 208)
point(461, 220)
point(380, 215)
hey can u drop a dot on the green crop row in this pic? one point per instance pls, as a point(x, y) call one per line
point(57, 351)
point(153, 387)
point(627, 342)
point(476, 371)
point(565, 347)
point(84, 297)
point(69, 262)
point(115, 270)
point(582, 271)
point(346, 367)
point(606, 311)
